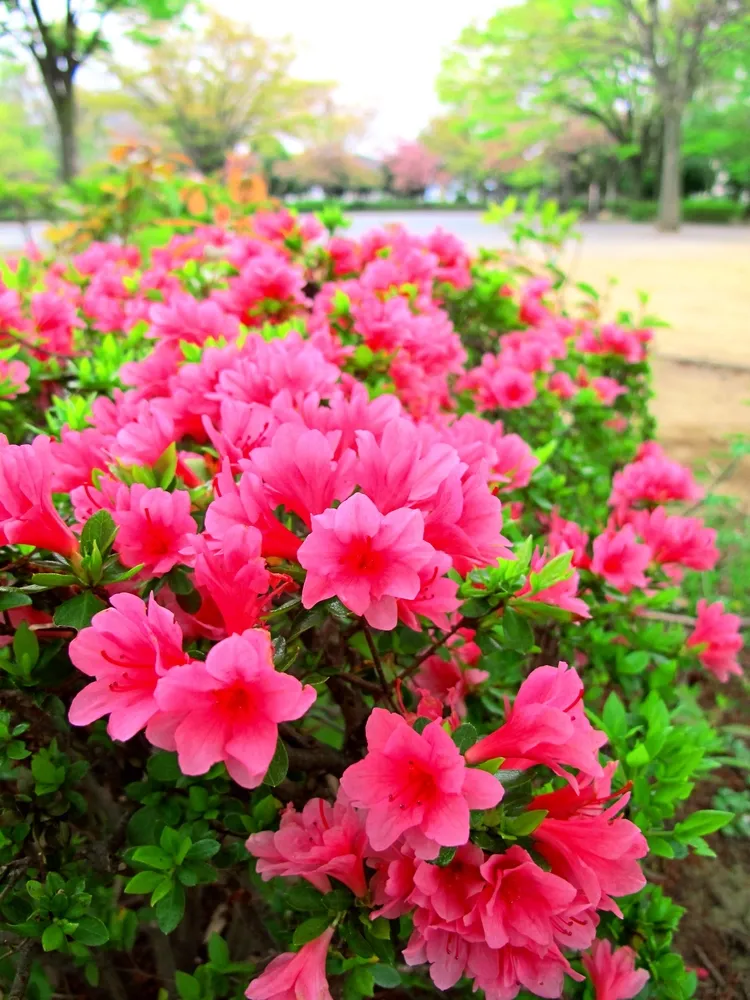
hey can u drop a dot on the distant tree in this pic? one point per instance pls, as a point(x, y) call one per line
point(60, 40)
point(220, 84)
point(25, 153)
point(413, 167)
point(632, 66)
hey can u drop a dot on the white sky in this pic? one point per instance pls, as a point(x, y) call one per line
point(385, 54)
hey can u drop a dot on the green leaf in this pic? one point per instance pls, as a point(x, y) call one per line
point(53, 938)
point(169, 911)
point(421, 724)
point(310, 929)
point(304, 897)
point(53, 580)
point(188, 987)
point(615, 718)
point(202, 850)
point(638, 756)
point(464, 737)
point(218, 952)
point(555, 571)
point(277, 769)
point(170, 841)
point(517, 633)
point(100, 529)
point(154, 857)
point(78, 612)
point(25, 647)
point(386, 976)
point(526, 823)
point(310, 619)
point(91, 931)
point(13, 599)
point(446, 855)
point(163, 767)
point(166, 883)
point(701, 823)
point(359, 983)
point(143, 883)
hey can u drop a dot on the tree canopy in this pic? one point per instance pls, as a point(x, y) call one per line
point(61, 41)
point(631, 66)
point(220, 84)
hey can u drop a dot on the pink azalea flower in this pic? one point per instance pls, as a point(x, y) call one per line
point(613, 973)
point(13, 375)
point(501, 973)
point(245, 503)
point(75, 457)
point(155, 528)
point(621, 559)
point(27, 514)
point(562, 385)
point(464, 519)
point(449, 680)
point(588, 844)
point(546, 725)
point(241, 427)
point(300, 976)
point(514, 463)
point(717, 640)
point(511, 388)
point(451, 890)
point(403, 469)
point(126, 649)
point(416, 784)
point(183, 317)
point(676, 541)
point(436, 598)
point(652, 479)
point(299, 470)
point(367, 559)
point(54, 321)
point(607, 389)
point(321, 842)
point(567, 536)
point(521, 902)
point(228, 708)
point(143, 441)
point(231, 576)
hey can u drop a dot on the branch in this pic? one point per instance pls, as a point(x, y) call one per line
point(23, 970)
point(378, 665)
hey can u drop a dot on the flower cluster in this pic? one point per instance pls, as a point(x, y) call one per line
point(327, 533)
point(497, 917)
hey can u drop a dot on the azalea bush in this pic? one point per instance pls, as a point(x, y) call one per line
point(339, 644)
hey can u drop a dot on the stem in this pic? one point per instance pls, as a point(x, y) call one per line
point(23, 971)
point(378, 665)
point(461, 623)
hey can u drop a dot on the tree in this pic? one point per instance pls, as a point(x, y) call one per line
point(61, 42)
point(220, 84)
point(632, 66)
point(413, 167)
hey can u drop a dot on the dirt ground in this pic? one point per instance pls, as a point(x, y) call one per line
point(699, 282)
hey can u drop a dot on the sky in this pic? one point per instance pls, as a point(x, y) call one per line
point(385, 54)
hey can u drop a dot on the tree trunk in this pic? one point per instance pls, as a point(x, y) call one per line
point(670, 188)
point(65, 112)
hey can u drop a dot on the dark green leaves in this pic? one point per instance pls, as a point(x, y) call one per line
point(99, 530)
point(278, 767)
point(464, 737)
point(78, 612)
